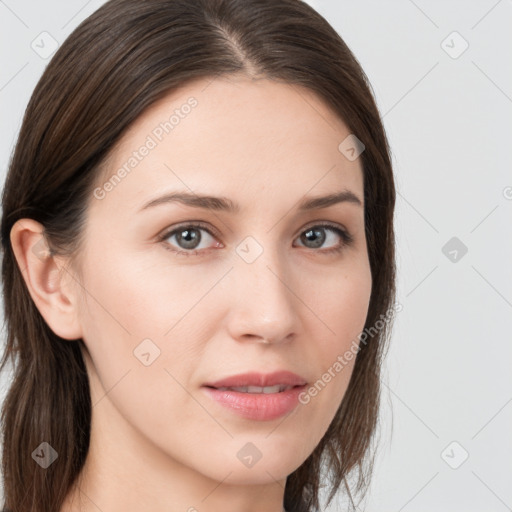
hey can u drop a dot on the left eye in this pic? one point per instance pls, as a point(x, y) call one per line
point(315, 235)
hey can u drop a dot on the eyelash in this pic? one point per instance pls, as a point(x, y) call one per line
point(344, 235)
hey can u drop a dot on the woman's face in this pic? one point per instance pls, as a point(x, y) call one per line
point(177, 294)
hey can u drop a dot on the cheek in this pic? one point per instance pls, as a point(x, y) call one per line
point(342, 307)
point(151, 319)
point(141, 296)
point(141, 330)
point(341, 304)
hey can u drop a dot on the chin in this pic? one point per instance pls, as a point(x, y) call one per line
point(253, 462)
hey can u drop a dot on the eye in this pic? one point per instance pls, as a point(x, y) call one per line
point(315, 237)
point(189, 237)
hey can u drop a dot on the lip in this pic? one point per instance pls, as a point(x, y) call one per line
point(258, 406)
point(282, 377)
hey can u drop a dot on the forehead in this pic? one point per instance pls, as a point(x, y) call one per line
point(236, 137)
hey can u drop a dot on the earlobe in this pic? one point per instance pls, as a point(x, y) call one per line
point(46, 279)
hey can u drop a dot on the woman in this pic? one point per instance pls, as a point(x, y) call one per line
point(198, 257)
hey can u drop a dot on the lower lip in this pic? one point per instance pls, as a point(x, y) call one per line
point(258, 406)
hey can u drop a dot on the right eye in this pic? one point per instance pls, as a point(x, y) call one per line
point(188, 237)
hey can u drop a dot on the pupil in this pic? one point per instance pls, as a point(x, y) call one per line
point(190, 239)
point(317, 237)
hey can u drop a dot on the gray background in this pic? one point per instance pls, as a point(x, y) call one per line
point(447, 113)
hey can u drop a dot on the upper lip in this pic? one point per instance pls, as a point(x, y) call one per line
point(281, 377)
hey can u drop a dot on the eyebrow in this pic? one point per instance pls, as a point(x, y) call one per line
point(225, 204)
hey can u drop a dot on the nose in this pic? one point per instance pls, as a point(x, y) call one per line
point(264, 300)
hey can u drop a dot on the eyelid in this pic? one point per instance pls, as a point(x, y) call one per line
point(190, 223)
point(324, 224)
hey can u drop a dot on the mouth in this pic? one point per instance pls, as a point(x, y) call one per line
point(256, 403)
point(267, 390)
point(257, 396)
point(255, 382)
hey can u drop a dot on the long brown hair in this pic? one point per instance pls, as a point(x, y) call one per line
point(116, 63)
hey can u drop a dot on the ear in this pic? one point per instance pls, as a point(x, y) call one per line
point(48, 281)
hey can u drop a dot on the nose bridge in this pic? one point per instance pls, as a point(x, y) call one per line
point(266, 306)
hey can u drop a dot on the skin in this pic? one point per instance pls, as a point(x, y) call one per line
point(158, 442)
